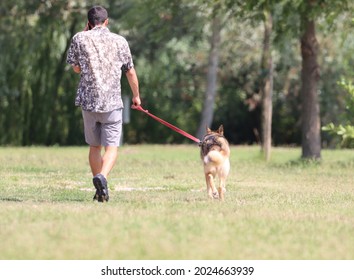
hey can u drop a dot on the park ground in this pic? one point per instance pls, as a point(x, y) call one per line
point(158, 207)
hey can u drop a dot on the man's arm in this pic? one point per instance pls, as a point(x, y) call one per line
point(134, 85)
point(71, 52)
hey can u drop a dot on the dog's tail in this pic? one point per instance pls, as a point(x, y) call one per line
point(214, 156)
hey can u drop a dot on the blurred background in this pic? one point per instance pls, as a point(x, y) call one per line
point(200, 63)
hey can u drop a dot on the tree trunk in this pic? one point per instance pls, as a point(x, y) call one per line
point(210, 93)
point(267, 87)
point(310, 114)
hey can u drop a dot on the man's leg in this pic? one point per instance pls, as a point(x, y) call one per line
point(108, 160)
point(95, 160)
point(100, 167)
point(102, 164)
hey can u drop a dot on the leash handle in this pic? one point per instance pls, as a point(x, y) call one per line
point(180, 131)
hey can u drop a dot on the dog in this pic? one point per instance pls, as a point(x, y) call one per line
point(215, 154)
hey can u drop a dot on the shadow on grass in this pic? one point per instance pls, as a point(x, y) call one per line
point(307, 163)
point(67, 199)
point(299, 163)
point(11, 199)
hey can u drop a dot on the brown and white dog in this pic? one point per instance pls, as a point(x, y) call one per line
point(215, 154)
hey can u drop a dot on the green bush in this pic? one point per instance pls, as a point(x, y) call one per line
point(345, 131)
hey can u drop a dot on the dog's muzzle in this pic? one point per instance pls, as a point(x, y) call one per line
point(209, 142)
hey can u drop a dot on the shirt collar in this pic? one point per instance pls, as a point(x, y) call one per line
point(100, 27)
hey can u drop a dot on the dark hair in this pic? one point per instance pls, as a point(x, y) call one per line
point(97, 15)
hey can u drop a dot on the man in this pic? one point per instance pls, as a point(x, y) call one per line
point(100, 57)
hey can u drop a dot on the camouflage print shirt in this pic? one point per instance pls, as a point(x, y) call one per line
point(102, 56)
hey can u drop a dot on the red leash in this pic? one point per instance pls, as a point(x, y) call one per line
point(139, 108)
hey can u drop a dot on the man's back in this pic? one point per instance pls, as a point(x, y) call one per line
point(101, 56)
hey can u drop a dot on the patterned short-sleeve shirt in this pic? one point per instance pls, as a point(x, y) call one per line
point(102, 56)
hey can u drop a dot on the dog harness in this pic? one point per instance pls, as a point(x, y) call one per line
point(208, 142)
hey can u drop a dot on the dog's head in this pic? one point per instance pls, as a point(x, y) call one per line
point(218, 133)
point(212, 140)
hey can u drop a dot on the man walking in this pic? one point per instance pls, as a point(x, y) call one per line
point(100, 57)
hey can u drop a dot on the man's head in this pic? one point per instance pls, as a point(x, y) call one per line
point(97, 15)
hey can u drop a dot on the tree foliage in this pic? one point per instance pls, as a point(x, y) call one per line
point(169, 41)
point(345, 131)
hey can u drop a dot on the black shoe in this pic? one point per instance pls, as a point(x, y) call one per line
point(96, 196)
point(100, 183)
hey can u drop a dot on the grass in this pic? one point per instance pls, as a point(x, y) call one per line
point(158, 208)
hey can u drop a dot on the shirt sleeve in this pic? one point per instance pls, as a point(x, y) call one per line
point(127, 58)
point(72, 56)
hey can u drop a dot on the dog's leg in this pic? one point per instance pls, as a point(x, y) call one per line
point(209, 190)
point(212, 191)
point(222, 188)
point(224, 172)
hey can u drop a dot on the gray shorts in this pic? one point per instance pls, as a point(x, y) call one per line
point(103, 129)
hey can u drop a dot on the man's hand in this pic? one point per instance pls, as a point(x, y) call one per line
point(136, 102)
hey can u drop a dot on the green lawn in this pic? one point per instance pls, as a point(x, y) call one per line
point(158, 208)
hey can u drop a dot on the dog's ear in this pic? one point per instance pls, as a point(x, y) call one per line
point(208, 130)
point(221, 130)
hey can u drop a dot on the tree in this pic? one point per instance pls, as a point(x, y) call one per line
point(310, 74)
point(266, 86)
point(36, 84)
point(211, 88)
point(262, 11)
point(310, 10)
